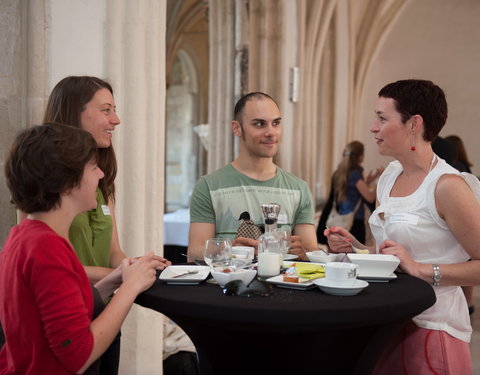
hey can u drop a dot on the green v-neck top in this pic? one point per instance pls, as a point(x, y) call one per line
point(91, 234)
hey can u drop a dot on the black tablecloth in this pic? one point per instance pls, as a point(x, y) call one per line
point(290, 330)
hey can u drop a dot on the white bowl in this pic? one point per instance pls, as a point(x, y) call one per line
point(375, 264)
point(222, 277)
point(243, 252)
point(319, 256)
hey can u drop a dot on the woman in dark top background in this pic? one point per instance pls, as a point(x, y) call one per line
point(460, 159)
point(350, 190)
point(461, 162)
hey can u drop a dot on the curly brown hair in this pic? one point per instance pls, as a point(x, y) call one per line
point(44, 162)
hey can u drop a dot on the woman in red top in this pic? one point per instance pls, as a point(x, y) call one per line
point(46, 302)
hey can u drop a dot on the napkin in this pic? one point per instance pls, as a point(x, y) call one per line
point(310, 271)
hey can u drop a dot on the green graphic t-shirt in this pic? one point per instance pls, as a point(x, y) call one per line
point(221, 197)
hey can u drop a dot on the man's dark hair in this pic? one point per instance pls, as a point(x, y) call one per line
point(240, 106)
point(419, 97)
point(46, 161)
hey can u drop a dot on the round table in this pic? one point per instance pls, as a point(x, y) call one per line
point(290, 331)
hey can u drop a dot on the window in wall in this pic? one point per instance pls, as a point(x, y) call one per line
point(181, 141)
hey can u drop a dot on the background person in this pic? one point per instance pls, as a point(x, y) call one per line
point(461, 162)
point(349, 189)
point(428, 216)
point(460, 159)
point(46, 302)
point(251, 180)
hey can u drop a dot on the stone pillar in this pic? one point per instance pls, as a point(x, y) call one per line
point(135, 64)
point(222, 82)
point(23, 63)
point(313, 114)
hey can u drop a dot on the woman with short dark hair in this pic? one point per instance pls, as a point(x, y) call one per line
point(428, 215)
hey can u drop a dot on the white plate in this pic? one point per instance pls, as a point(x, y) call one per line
point(287, 263)
point(377, 279)
point(339, 290)
point(168, 275)
point(278, 281)
point(290, 256)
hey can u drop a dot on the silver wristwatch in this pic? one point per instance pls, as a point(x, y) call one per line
point(437, 276)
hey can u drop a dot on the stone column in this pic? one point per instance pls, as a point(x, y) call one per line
point(23, 65)
point(135, 64)
point(222, 82)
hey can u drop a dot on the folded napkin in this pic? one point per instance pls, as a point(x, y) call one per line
point(310, 271)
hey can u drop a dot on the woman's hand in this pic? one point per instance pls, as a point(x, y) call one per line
point(164, 262)
point(372, 176)
point(407, 264)
point(107, 285)
point(140, 273)
point(336, 244)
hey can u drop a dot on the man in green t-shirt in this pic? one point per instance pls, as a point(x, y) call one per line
point(220, 199)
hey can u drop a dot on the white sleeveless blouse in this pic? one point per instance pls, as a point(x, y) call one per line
point(414, 222)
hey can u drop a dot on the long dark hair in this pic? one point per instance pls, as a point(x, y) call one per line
point(351, 159)
point(65, 105)
point(460, 152)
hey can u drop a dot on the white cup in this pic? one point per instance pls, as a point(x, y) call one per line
point(243, 252)
point(341, 273)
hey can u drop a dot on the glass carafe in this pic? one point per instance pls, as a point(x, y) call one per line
point(270, 244)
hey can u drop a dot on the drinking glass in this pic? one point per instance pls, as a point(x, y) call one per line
point(270, 255)
point(218, 252)
point(286, 235)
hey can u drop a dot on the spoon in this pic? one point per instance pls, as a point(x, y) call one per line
point(319, 248)
point(355, 249)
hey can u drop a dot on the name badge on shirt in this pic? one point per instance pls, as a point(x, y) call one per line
point(282, 219)
point(404, 218)
point(105, 209)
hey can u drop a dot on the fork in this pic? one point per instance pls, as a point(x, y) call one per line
point(185, 274)
point(355, 249)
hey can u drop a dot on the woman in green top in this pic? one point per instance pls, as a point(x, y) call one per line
point(88, 103)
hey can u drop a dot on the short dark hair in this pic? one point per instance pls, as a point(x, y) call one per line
point(419, 97)
point(65, 105)
point(46, 161)
point(240, 106)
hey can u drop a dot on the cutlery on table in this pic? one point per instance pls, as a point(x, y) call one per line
point(185, 274)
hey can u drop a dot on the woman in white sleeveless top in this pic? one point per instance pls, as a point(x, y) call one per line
point(427, 215)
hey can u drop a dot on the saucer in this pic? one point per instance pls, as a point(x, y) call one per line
point(334, 289)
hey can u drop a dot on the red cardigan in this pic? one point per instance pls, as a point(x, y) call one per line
point(46, 303)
